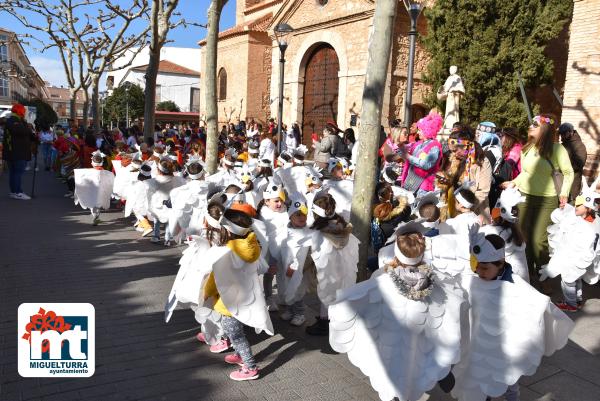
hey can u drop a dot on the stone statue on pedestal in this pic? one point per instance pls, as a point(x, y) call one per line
point(451, 92)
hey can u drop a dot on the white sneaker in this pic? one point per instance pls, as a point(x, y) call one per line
point(21, 196)
point(287, 315)
point(298, 320)
point(272, 305)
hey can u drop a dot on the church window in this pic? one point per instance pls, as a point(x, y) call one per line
point(222, 84)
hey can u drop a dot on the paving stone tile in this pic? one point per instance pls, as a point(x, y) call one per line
point(567, 387)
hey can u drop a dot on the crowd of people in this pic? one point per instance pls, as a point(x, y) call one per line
point(460, 229)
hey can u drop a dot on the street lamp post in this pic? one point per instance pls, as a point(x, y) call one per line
point(281, 32)
point(414, 8)
point(127, 107)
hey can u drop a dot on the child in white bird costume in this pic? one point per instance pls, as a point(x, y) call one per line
point(272, 212)
point(334, 251)
point(234, 288)
point(402, 327)
point(94, 186)
point(295, 240)
point(574, 250)
point(511, 326)
point(505, 224)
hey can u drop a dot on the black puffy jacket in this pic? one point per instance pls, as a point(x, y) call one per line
point(17, 139)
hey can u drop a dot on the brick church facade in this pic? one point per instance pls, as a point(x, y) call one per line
point(326, 63)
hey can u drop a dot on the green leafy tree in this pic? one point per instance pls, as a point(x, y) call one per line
point(167, 105)
point(491, 42)
point(45, 114)
point(127, 96)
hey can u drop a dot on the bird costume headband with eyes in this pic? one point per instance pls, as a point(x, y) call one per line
point(588, 194)
point(233, 228)
point(245, 174)
point(313, 177)
point(300, 154)
point(158, 150)
point(333, 163)
point(345, 166)
point(195, 159)
point(432, 198)
point(253, 148)
point(285, 159)
point(395, 167)
point(233, 155)
point(297, 204)
point(97, 154)
point(482, 249)
point(162, 168)
point(509, 198)
point(273, 191)
point(265, 163)
point(146, 172)
point(409, 227)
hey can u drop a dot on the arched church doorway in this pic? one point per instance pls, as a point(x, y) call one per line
point(321, 88)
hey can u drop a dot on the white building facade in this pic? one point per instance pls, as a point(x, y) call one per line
point(178, 78)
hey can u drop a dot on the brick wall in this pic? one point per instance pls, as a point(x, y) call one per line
point(582, 87)
point(346, 26)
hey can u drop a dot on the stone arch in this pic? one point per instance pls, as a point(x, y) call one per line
point(298, 66)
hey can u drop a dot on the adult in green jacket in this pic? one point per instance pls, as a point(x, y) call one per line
point(540, 156)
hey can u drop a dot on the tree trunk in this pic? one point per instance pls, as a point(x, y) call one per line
point(86, 111)
point(150, 89)
point(96, 102)
point(380, 44)
point(73, 105)
point(210, 85)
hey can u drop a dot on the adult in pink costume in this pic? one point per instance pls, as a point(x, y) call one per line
point(423, 158)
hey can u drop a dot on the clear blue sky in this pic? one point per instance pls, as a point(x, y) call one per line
point(48, 63)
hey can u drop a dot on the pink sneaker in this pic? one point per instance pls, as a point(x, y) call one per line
point(221, 346)
point(200, 337)
point(234, 359)
point(565, 307)
point(244, 373)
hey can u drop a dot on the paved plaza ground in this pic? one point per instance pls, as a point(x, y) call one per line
point(49, 252)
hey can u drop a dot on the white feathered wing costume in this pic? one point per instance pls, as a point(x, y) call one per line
point(295, 246)
point(191, 277)
point(240, 289)
point(404, 346)
point(159, 190)
point(93, 188)
point(183, 201)
point(336, 259)
point(512, 326)
point(572, 242)
point(124, 178)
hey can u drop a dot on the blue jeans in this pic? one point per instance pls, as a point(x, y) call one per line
point(47, 154)
point(16, 168)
